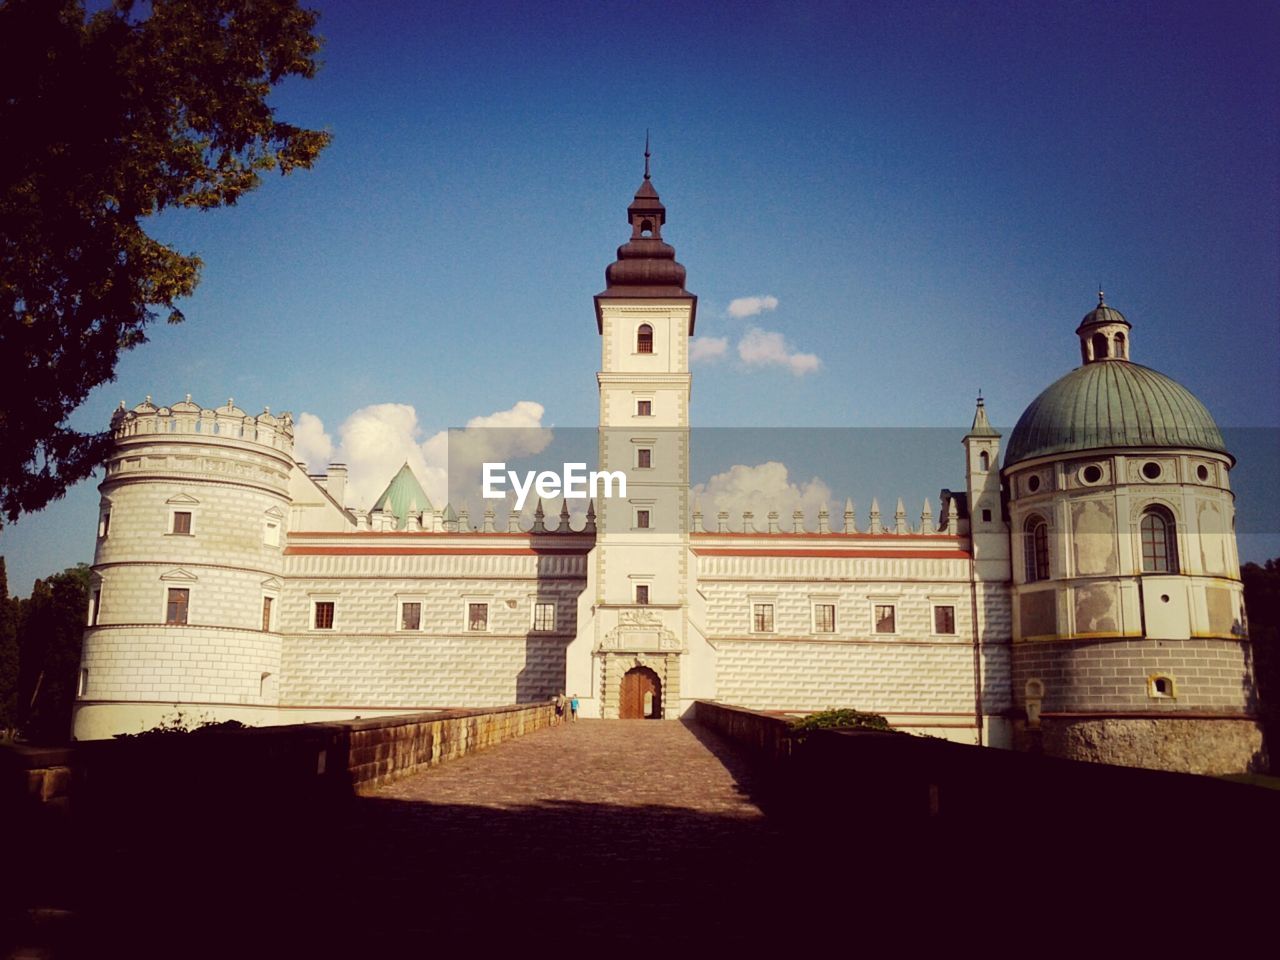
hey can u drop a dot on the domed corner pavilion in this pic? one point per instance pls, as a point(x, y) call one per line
point(1129, 640)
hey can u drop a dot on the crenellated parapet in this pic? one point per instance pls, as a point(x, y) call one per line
point(185, 417)
point(800, 525)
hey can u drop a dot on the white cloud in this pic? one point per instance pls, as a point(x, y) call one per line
point(760, 488)
point(311, 444)
point(764, 348)
point(750, 306)
point(704, 349)
point(376, 440)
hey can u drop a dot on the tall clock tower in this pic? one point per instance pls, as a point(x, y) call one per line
point(633, 617)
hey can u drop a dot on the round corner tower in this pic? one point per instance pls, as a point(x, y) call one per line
point(188, 570)
point(1129, 644)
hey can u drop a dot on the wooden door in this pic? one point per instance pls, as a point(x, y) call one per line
point(641, 695)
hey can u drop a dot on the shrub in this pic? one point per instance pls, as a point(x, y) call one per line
point(843, 719)
point(180, 724)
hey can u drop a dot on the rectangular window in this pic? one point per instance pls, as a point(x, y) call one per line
point(478, 616)
point(411, 615)
point(322, 616)
point(83, 687)
point(266, 613)
point(644, 408)
point(944, 620)
point(886, 618)
point(642, 593)
point(176, 607)
point(642, 519)
point(271, 533)
point(104, 524)
point(824, 618)
point(95, 604)
point(182, 522)
point(644, 458)
point(762, 617)
point(544, 616)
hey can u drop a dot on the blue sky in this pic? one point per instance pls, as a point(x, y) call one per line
point(931, 192)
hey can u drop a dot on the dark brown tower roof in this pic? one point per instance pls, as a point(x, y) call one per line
point(646, 266)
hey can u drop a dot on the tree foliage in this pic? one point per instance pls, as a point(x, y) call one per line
point(40, 640)
point(9, 611)
point(107, 119)
point(1262, 604)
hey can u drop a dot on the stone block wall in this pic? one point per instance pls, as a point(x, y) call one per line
point(1209, 675)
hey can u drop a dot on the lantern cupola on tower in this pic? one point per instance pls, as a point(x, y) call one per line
point(646, 267)
point(1103, 333)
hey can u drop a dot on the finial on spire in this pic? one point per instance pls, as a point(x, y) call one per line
point(646, 154)
point(981, 402)
point(1102, 297)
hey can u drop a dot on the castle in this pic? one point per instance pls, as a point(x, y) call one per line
point(1079, 595)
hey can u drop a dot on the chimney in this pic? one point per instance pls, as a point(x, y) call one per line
point(336, 482)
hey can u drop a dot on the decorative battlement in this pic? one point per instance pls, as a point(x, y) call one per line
point(899, 527)
point(185, 417)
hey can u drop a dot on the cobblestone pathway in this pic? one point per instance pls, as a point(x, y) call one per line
point(601, 827)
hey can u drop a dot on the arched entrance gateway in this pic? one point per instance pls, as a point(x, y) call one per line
point(641, 695)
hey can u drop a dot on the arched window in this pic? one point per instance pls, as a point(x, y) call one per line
point(644, 339)
point(1159, 541)
point(1121, 351)
point(1036, 549)
point(984, 461)
point(1099, 346)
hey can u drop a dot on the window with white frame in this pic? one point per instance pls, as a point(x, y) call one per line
point(323, 614)
point(884, 617)
point(644, 407)
point(944, 619)
point(644, 458)
point(177, 605)
point(477, 616)
point(410, 614)
point(643, 518)
point(544, 616)
point(762, 617)
point(824, 617)
point(104, 524)
point(95, 606)
point(642, 593)
point(271, 532)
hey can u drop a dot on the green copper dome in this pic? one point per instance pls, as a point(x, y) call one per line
point(404, 495)
point(1113, 403)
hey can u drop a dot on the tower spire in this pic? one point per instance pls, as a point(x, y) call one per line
point(646, 154)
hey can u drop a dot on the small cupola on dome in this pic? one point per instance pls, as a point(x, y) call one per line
point(1103, 333)
point(646, 266)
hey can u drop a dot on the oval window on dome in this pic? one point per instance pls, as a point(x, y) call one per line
point(1033, 484)
point(1091, 474)
point(1202, 473)
point(1151, 470)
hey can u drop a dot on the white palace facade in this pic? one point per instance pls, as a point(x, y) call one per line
point(1078, 594)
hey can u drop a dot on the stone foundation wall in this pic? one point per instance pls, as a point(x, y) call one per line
point(1212, 746)
point(1111, 675)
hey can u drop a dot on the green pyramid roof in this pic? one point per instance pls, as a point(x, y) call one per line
point(404, 495)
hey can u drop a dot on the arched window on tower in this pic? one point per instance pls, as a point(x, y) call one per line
point(1159, 541)
point(984, 461)
point(1099, 346)
point(644, 339)
point(1036, 548)
point(1122, 350)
